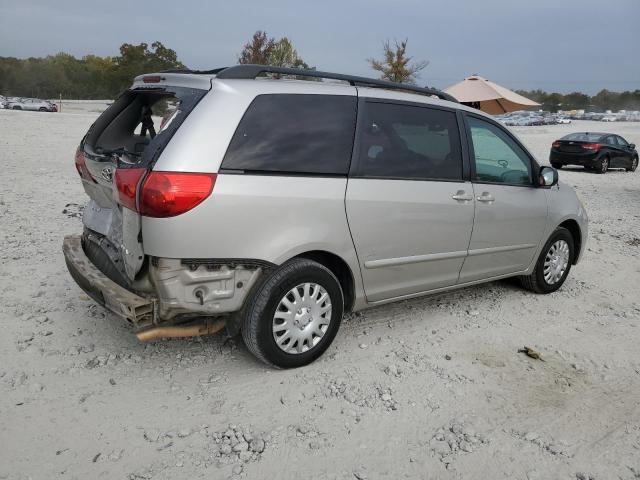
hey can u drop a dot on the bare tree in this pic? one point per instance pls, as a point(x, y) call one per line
point(396, 65)
point(258, 50)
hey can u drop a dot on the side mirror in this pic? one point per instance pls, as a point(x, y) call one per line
point(548, 177)
point(632, 146)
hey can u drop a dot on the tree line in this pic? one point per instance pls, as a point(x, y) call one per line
point(602, 101)
point(95, 77)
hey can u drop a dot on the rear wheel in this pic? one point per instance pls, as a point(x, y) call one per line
point(553, 264)
point(634, 165)
point(42, 109)
point(17, 107)
point(294, 315)
point(604, 165)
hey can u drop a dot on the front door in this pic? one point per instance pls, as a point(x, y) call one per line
point(409, 210)
point(510, 212)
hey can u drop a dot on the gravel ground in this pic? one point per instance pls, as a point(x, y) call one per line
point(427, 388)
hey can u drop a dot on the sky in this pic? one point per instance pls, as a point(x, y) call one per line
point(553, 45)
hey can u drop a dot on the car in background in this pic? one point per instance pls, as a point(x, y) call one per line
point(563, 120)
point(594, 151)
point(32, 104)
point(609, 118)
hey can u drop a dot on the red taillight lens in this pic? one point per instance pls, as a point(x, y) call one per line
point(151, 79)
point(167, 194)
point(81, 166)
point(592, 146)
point(556, 144)
point(127, 180)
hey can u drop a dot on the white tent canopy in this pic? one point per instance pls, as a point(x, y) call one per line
point(488, 96)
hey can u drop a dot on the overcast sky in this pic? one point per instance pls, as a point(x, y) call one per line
point(555, 45)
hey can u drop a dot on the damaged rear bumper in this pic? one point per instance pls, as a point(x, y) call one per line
point(135, 309)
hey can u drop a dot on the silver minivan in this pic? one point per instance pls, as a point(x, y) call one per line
point(252, 198)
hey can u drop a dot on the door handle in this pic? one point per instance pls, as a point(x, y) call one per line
point(485, 197)
point(462, 196)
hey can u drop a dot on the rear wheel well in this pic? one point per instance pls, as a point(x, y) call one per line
point(340, 269)
point(574, 229)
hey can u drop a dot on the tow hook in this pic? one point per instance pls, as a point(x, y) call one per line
point(199, 295)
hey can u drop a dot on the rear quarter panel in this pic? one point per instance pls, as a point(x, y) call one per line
point(265, 217)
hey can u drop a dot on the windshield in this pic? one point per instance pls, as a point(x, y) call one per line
point(583, 137)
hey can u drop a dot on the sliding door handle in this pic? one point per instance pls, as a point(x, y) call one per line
point(485, 197)
point(462, 196)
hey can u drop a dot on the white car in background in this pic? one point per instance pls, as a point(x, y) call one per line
point(563, 120)
point(609, 118)
point(31, 104)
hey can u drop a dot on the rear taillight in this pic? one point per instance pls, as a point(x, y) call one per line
point(151, 79)
point(127, 180)
point(81, 166)
point(556, 144)
point(592, 146)
point(167, 194)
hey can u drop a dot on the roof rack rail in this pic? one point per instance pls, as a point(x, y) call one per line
point(215, 71)
point(252, 71)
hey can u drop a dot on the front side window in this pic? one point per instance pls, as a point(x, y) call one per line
point(498, 159)
point(409, 142)
point(296, 134)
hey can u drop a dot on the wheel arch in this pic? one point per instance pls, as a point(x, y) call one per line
point(576, 234)
point(340, 268)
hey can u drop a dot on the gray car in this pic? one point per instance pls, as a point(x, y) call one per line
point(273, 206)
point(31, 104)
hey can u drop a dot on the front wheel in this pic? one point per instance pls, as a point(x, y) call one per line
point(294, 315)
point(553, 264)
point(604, 165)
point(634, 165)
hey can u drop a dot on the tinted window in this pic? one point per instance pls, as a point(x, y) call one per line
point(621, 141)
point(403, 141)
point(583, 137)
point(498, 159)
point(294, 133)
point(611, 141)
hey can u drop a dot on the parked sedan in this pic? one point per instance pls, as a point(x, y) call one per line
point(594, 151)
point(33, 104)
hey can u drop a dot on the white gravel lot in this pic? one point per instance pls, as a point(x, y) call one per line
point(427, 388)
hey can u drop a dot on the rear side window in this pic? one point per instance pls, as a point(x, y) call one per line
point(409, 142)
point(296, 134)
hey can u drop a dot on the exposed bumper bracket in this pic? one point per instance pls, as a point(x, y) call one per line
point(134, 308)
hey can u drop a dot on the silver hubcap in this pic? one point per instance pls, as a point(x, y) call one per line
point(556, 262)
point(302, 318)
point(605, 164)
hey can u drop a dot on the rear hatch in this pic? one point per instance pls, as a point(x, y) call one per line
point(117, 153)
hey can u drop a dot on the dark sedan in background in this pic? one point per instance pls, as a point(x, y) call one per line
point(594, 151)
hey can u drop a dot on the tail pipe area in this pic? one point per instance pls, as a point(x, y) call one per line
point(177, 331)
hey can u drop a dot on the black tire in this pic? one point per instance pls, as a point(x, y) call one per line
point(42, 109)
point(604, 165)
point(536, 281)
point(634, 165)
point(16, 107)
point(557, 166)
point(258, 317)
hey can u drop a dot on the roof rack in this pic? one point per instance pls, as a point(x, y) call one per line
point(252, 71)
